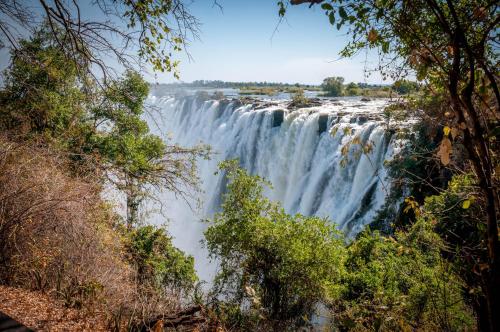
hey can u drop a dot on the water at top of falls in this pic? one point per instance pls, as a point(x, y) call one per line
point(305, 154)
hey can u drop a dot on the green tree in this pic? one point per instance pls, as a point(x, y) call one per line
point(352, 89)
point(281, 265)
point(333, 86)
point(135, 159)
point(457, 214)
point(42, 92)
point(134, 155)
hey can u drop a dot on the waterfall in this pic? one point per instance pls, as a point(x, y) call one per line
point(304, 153)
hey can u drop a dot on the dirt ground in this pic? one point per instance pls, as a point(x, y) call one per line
point(39, 312)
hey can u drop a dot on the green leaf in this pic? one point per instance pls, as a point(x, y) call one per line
point(331, 17)
point(327, 6)
point(342, 13)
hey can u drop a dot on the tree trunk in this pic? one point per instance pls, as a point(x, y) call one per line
point(132, 210)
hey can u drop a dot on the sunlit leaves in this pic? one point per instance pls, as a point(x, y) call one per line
point(372, 35)
point(466, 204)
point(153, 22)
point(411, 205)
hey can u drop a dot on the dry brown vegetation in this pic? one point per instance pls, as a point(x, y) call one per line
point(59, 237)
point(55, 232)
point(40, 312)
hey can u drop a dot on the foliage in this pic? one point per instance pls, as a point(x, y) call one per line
point(458, 215)
point(401, 283)
point(413, 170)
point(450, 44)
point(41, 92)
point(133, 155)
point(453, 46)
point(352, 89)
point(299, 98)
point(101, 129)
point(64, 140)
point(251, 90)
point(333, 86)
point(125, 141)
point(158, 261)
point(277, 266)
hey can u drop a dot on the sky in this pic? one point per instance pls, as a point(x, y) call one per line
point(240, 43)
point(243, 42)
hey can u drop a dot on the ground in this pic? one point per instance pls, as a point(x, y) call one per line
point(39, 312)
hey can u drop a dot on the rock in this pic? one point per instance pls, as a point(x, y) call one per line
point(309, 103)
point(365, 99)
point(322, 123)
point(362, 119)
point(278, 117)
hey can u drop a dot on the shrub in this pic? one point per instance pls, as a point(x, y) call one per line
point(458, 216)
point(399, 284)
point(273, 266)
point(158, 262)
point(352, 89)
point(405, 87)
point(55, 232)
point(299, 99)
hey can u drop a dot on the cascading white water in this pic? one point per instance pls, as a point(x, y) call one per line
point(298, 151)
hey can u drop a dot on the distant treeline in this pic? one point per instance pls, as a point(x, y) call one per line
point(217, 84)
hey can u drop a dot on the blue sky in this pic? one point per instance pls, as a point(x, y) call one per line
point(238, 45)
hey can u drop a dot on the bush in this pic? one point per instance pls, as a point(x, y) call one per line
point(159, 262)
point(458, 216)
point(352, 89)
point(299, 99)
point(405, 87)
point(275, 267)
point(401, 283)
point(55, 232)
